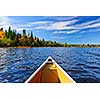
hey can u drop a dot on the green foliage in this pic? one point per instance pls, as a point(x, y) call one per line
point(7, 42)
point(12, 38)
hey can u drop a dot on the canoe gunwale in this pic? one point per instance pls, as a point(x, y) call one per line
point(36, 71)
point(46, 61)
point(65, 73)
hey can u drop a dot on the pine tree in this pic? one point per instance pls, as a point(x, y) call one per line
point(6, 33)
point(31, 38)
point(24, 33)
point(9, 33)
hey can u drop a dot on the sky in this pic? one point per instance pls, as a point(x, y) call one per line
point(69, 29)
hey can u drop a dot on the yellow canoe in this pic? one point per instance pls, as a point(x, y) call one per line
point(50, 72)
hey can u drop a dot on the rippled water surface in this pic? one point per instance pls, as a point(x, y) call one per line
point(17, 64)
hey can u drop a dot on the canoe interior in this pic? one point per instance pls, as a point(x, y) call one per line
point(50, 73)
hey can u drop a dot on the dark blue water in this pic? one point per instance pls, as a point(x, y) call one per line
point(82, 64)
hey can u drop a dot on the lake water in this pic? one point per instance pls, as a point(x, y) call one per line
point(82, 64)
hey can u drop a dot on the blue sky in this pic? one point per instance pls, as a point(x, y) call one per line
point(69, 29)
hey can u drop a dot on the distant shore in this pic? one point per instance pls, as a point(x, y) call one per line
point(69, 46)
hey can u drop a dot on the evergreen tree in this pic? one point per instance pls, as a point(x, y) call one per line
point(24, 33)
point(13, 37)
point(9, 33)
point(31, 38)
point(6, 33)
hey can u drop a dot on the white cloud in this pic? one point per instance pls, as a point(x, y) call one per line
point(31, 24)
point(41, 22)
point(65, 25)
point(61, 18)
point(93, 25)
point(79, 27)
point(58, 37)
point(91, 30)
point(4, 22)
point(73, 31)
point(50, 25)
point(67, 32)
point(60, 32)
point(57, 25)
point(60, 26)
point(90, 24)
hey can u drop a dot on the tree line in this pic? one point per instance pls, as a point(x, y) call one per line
point(14, 39)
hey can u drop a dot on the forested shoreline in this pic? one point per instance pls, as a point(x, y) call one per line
point(14, 39)
point(24, 39)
